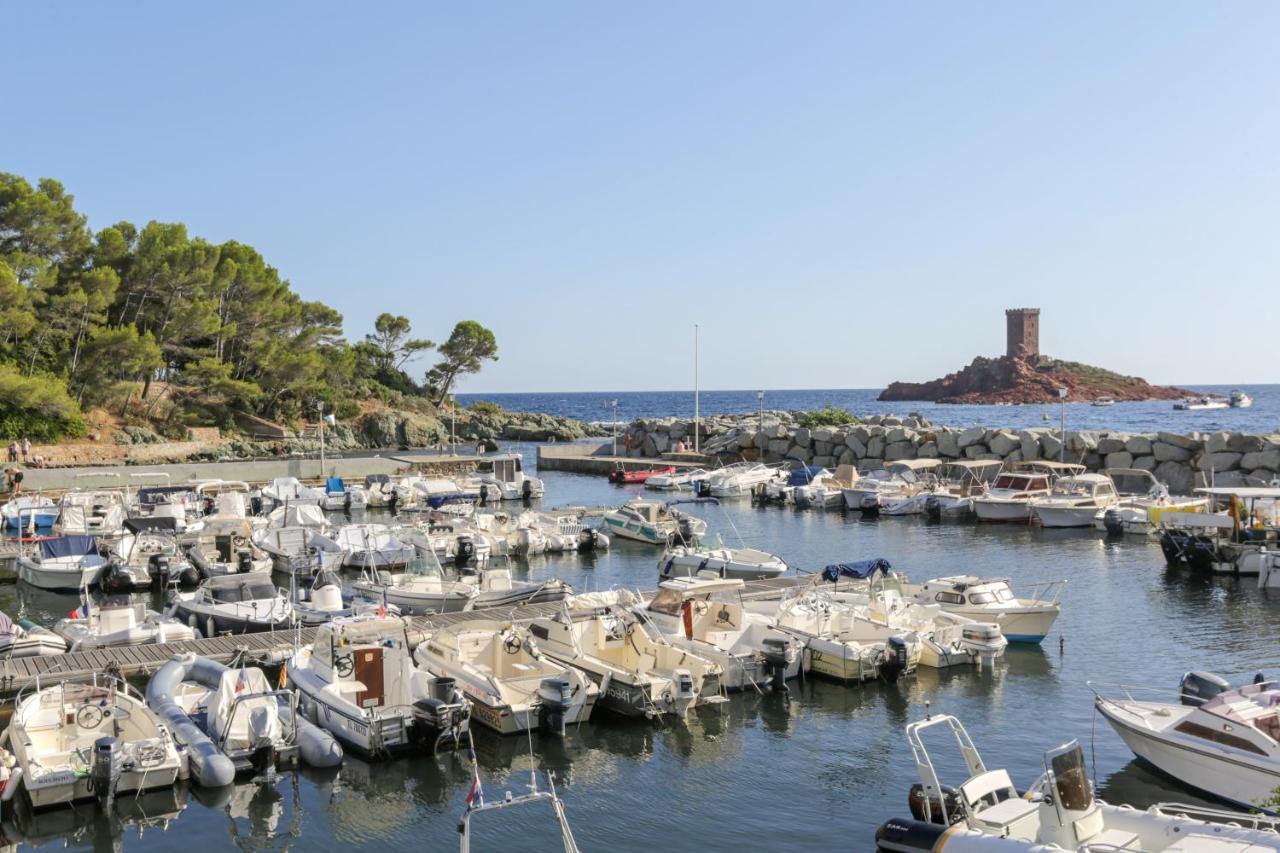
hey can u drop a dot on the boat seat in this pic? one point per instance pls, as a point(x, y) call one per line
point(1116, 839)
point(1007, 812)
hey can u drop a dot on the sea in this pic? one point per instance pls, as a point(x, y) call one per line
point(1146, 416)
point(816, 769)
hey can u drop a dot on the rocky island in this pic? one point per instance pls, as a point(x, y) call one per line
point(1024, 375)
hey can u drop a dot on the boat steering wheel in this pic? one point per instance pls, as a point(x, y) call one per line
point(344, 665)
point(90, 716)
point(511, 644)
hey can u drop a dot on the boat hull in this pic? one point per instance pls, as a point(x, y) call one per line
point(1065, 516)
point(57, 580)
point(1002, 511)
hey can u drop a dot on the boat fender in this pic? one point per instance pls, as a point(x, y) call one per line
point(11, 785)
point(318, 747)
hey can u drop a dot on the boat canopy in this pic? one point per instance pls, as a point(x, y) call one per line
point(68, 546)
point(805, 474)
point(1061, 469)
point(1133, 481)
point(298, 515)
point(151, 524)
point(376, 479)
point(335, 485)
point(859, 569)
point(161, 494)
point(914, 464)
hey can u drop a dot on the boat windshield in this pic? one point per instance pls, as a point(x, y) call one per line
point(1001, 594)
point(712, 541)
point(1071, 779)
point(666, 601)
point(245, 591)
point(421, 567)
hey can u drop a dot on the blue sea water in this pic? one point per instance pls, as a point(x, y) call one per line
point(1147, 416)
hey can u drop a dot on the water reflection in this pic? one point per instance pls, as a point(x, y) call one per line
point(135, 817)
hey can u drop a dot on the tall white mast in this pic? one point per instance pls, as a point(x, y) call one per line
point(697, 411)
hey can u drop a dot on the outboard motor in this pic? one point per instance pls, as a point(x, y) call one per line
point(684, 685)
point(200, 562)
point(555, 696)
point(588, 540)
point(758, 494)
point(104, 776)
point(702, 488)
point(932, 809)
point(895, 659)
point(160, 568)
point(801, 497)
point(114, 580)
point(255, 505)
point(526, 490)
point(686, 530)
point(392, 500)
point(870, 505)
point(1114, 523)
point(1199, 687)
point(778, 655)
point(465, 551)
point(933, 508)
point(244, 561)
point(327, 597)
point(441, 716)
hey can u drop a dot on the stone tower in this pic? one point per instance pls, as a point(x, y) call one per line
point(1023, 332)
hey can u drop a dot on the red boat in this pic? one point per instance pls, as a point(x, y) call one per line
point(639, 476)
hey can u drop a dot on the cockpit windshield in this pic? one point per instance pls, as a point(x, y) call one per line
point(666, 601)
point(1071, 779)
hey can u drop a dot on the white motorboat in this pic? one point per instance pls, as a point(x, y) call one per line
point(373, 546)
point(497, 588)
point(895, 486)
point(232, 721)
point(833, 647)
point(66, 563)
point(739, 480)
point(440, 493)
point(422, 588)
point(781, 491)
point(986, 812)
point(1143, 501)
point(233, 604)
point(512, 685)
point(283, 491)
point(1075, 501)
point(679, 480)
point(358, 680)
point(339, 496)
point(477, 806)
point(1209, 736)
point(91, 512)
point(29, 510)
point(711, 555)
point(297, 541)
point(1238, 540)
point(226, 546)
point(124, 624)
point(24, 638)
point(506, 473)
point(825, 490)
point(147, 554)
point(959, 482)
point(78, 742)
point(1103, 401)
point(1239, 400)
point(1021, 620)
point(1199, 404)
point(549, 532)
point(378, 490)
point(639, 674)
point(653, 522)
point(323, 601)
point(706, 617)
point(1010, 496)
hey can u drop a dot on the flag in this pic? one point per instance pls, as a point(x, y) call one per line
point(243, 681)
point(284, 675)
point(475, 792)
point(80, 612)
point(382, 610)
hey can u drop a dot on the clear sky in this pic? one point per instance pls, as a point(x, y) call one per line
point(840, 194)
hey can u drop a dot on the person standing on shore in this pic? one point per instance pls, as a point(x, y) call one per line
point(13, 450)
point(26, 448)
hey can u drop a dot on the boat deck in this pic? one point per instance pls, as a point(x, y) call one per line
point(18, 673)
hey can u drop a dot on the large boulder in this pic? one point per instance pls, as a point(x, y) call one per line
point(779, 446)
point(1265, 459)
point(380, 429)
point(1222, 460)
point(1217, 442)
point(1242, 443)
point(1004, 442)
point(802, 437)
point(1176, 475)
point(876, 446)
point(1050, 446)
point(855, 444)
point(1119, 459)
point(1169, 452)
point(846, 457)
point(899, 450)
point(823, 434)
point(948, 445)
point(1139, 445)
point(420, 431)
point(821, 448)
point(804, 454)
point(977, 451)
point(900, 434)
point(1186, 442)
point(1144, 463)
point(971, 436)
point(927, 450)
point(1111, 444)
point(1029, 442)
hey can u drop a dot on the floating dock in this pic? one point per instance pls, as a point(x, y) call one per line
point(16, 674)
point(592, 459)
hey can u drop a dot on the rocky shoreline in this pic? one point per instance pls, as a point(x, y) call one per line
point(1180, 461)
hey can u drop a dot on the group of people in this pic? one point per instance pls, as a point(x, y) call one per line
point(19, 452)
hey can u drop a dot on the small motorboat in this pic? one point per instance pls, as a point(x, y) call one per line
point(77, 741)
point(147, 555)
point(1200, 404)
point(379, 491)
point(358, 681)
point(1217, 739)
point(231, 721)
point(1075, 501)
point(711, 555)
point(233, 604)
point(1103, 401)
point(678, 480)
point(639, 673)
point(26, 511)
point(422, 588)
point(497, 588)
point(504, 475)
point(512, 685)
point(290, 490)
point(1009, 497)
point(546, 532)
point(24, 638)
point(338, 496)
point(833, 648)
point(1021, 620)
point(900, 488)
point(373, 546)
point(959, 482)
point(225, 546)
point(654, 522)
point(91, 512)
point(476, 806)
point(706, 616)
point(825, 490)
point(740, 480)
point(1059, 812)
point(93, 626)
point(64, 563)
point(782, 492)
point(1239, 400)
point(324, 601)
point(1143, 503)
point(639, 475)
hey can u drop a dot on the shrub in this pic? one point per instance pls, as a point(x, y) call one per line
point(828, 416)
point(485, 407)
point(37, 407)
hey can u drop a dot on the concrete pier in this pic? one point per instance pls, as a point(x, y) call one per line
point(592, 459)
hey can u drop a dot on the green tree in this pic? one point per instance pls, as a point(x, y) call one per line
point(469, 346)
point(391, 342)
point(113, 355)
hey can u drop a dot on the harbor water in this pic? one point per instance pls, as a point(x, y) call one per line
point(1144, 416)
point(818, 769)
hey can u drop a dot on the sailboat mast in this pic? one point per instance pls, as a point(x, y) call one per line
point(697, 413)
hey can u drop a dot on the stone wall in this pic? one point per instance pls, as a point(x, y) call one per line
point(1182, 462)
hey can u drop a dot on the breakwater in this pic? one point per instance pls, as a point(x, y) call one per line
point(1182, 461)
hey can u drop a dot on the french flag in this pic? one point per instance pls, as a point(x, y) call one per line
point(81, 612)
point(475, 793)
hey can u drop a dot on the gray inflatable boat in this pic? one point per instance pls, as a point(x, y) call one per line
point(232, 721)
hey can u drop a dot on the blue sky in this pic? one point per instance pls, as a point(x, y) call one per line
point(840, 194)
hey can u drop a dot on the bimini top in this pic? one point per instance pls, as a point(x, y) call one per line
point(805, 474)
point(335, 484)
point(1062, 468)
point(68, 546)
point(859, 569)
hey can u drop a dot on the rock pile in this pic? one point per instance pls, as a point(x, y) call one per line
point(1182, 462)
